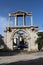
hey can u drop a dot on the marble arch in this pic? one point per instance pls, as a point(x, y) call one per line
point(31, 30)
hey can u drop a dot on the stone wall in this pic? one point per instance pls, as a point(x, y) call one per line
point(30, 38)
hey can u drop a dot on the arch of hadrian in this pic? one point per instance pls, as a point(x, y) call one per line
point(29, 32)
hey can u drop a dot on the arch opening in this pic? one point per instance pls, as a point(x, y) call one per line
point(19, 40)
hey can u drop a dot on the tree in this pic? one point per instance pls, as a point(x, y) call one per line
point(3, 47)
point(1, 40)
point(40, 40)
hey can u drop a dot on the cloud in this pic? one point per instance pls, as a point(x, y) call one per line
point(3, 24)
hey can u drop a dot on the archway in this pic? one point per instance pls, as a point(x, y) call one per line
point(19, 40)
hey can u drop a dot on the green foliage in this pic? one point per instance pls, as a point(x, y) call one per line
point(40, 40)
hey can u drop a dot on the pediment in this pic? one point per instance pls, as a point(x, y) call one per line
point(20, 13)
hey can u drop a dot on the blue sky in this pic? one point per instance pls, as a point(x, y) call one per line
point(9, 6)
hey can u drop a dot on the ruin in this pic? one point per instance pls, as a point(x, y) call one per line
point(23, 36)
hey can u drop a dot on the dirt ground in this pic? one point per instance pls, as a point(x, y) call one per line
point(22, 59)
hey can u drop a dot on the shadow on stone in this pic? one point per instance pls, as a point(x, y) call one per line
point(9, 53)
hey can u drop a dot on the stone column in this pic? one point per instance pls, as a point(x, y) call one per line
point(31, 21)
point(23, 19)
point(9, 41)
point(16, 22)
point(9, 21)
